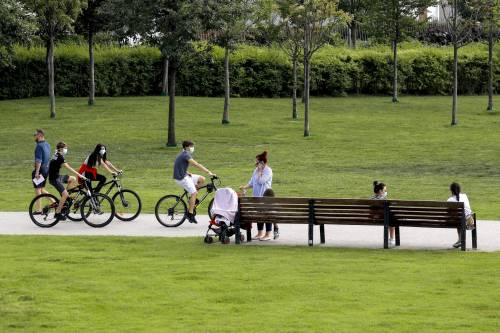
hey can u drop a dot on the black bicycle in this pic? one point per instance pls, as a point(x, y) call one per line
point(127, 202)
point(171, 210)
point(95, 209)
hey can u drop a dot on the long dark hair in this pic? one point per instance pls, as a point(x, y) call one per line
point(455, 189)
point(95, 157)
point(377, 187)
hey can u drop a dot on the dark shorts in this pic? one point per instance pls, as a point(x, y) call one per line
point(58, 183)
point(44, 173)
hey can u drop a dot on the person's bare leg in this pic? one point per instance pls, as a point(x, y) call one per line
point(71, 183)
point(392, 232)
point(38, 191)
point(200, 182)
point(192, 202)
point(64, 196)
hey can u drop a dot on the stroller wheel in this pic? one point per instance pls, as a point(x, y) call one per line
point(208, 239)
point(226, 240)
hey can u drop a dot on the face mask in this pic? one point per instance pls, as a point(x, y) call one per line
point(386, 194)
point(102, 152)
point(64, 151)
point(191, 149)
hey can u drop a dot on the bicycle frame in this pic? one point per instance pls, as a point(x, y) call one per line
point(205, 195)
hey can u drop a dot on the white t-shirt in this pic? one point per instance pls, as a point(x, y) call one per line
point(463, 198)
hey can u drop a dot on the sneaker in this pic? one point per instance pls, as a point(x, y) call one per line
point(392, 242)
point(60, 217)
point(457, 244)
point(257, 237)
point(266, 238)
point(191, 218)
point(276, 233)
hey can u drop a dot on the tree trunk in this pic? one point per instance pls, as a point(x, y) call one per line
point(490, 67)
point(164, 86)
point(395, 72)
point(91, 68)
point(50, 68)
point(455, 85)
point(171, 108)
point(225, 115)
point(455, 65)
point(354, 30)
point(294, 88)
point(306, 81)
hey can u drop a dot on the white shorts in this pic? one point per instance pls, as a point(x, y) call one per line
point(189, 183)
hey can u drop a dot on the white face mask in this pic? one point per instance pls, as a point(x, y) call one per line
point(64, 151)
point(102, 151)
point(386, 194)
point(191, 149)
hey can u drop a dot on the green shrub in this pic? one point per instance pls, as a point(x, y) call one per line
point(255, 71)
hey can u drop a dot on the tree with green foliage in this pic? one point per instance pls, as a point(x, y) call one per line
point(16, 27)
point(92, 20)
point(390, 20)
point(55, 18)
point(172, 26)
point(318, 20)
point(229, 22)
point(357, 10)
point(463, 23)
point(291, 41)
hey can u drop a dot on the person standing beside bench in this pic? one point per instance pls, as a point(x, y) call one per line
point(262, 179)
point(380, 193)
point(461, 197)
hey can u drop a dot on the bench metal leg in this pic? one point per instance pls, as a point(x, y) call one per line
point(398, 239)
point(474, 238)
point(386, 237)
point(322, 233)
point(237, 227)
point(249, 232)
point(462, 238)
point(474, 234)
point(310, 233)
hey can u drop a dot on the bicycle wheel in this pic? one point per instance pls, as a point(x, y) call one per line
point(210, 204)
point(127, 205)
point(171, 211)
point(42, 209)
point(98, 210)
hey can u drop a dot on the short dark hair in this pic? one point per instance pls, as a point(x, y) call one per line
point(39, 131)
point(268, 193)
point(187, 143)
point(61, 145)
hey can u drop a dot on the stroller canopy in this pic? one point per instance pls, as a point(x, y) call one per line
point(225, 203)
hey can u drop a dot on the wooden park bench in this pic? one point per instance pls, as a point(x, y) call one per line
point(313, 212)
point(430, 214)
point(386, 213)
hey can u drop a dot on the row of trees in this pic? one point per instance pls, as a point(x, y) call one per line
point(300, 27)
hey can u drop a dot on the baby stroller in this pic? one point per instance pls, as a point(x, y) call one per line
point(222, 215)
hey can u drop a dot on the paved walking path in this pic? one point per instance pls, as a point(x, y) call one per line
point(336, 236)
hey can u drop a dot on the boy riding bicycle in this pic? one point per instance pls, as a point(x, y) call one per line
point(56, 180)
point(189, 182)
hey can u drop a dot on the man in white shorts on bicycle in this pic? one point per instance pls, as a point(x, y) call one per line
point(189, 182)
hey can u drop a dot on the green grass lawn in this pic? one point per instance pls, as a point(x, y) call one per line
point(104, 284)
point(355, 140)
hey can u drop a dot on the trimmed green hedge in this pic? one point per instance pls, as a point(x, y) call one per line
point(255, 72)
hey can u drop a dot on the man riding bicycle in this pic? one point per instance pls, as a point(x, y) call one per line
point(189, 182)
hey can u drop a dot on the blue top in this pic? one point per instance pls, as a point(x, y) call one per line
point(42, 154)
point(181, 165)
point(260, 183)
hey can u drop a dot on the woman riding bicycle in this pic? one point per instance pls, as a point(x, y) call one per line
point(89, 167)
